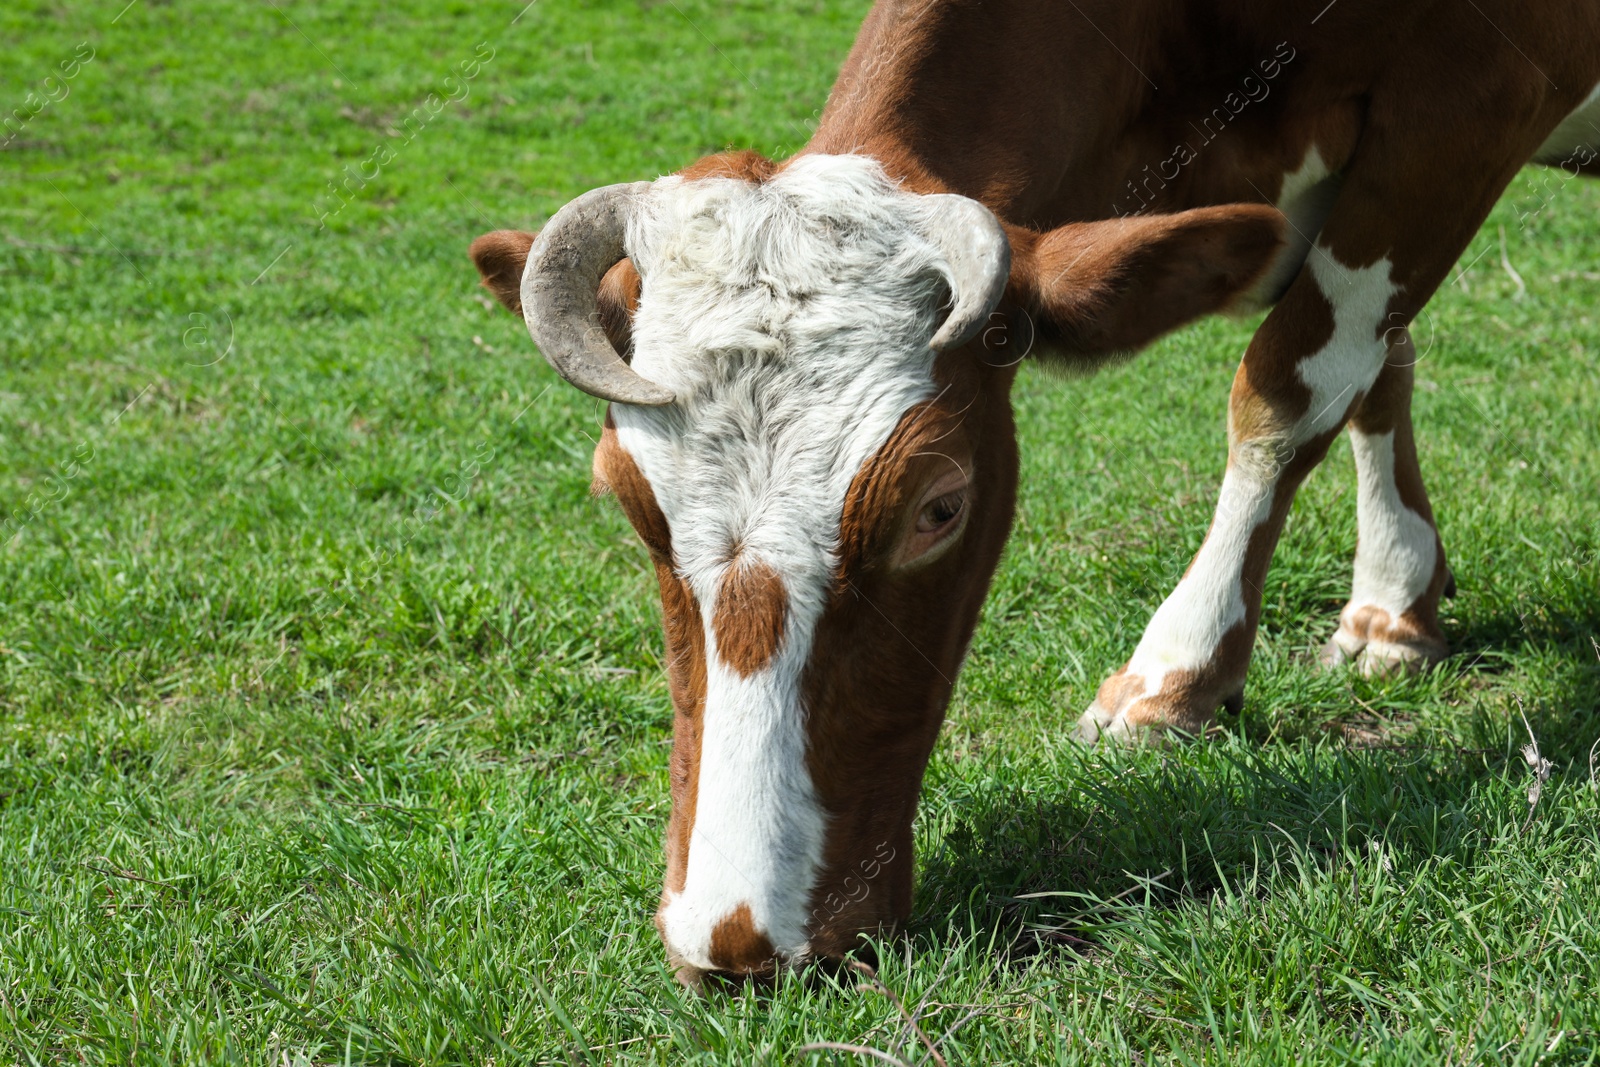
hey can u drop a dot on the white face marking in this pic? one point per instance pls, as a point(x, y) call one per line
point(792, 321)
point(1189, 626)
point(1579, 130)
point(758, 830)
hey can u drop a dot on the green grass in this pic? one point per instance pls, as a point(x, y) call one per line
point(332, 718)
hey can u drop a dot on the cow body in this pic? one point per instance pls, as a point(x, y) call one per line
point(1384, 134)
point(825, 491)
point(1055, 113)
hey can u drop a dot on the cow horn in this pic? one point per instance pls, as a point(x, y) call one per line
point(979, 258)
point(559, 285)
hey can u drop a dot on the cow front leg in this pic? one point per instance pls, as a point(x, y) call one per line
point(1388, 242)
point(1391, 623)
point(1306, 369)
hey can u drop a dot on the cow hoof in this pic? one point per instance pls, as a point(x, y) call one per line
point(1384, 659)
point(1335, 654)
point(1107, 718)
point(1124, 730)
point(1381, 659)
point(1092, 724)
point(1096, 725)
point(1121, 713)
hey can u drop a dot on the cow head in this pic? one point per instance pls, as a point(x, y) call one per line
point(811, 433)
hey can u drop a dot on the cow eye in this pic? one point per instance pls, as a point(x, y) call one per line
point(941, 515)
point(941, 512)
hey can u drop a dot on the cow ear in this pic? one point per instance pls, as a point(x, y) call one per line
point(500, 257)
point(1095, 288)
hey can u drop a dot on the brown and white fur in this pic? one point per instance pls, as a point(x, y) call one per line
point(827, 498)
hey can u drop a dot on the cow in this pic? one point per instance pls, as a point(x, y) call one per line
point(809, 365)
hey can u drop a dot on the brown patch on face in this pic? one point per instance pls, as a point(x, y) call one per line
point(888, 647)
point(737, 947)
point(686, 673)
point(685, 643)
point(878, 494)
point(752, 606)
point(616, 472)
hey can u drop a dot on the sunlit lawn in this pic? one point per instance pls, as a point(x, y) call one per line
point(332, 717)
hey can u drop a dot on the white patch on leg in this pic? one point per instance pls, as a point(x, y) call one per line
point(1305, 196)
point(1209, 601)
point(1396, 550)
point(1187, 630)
point(1349, 363)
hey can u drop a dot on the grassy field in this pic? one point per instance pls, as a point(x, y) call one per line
point(333, 725)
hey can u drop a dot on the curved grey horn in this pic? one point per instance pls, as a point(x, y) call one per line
point(975, 247)
point(559, 285)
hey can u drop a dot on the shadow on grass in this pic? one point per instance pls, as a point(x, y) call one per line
point(1568, 615)
point(1555, 648)
point(1162, 828)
